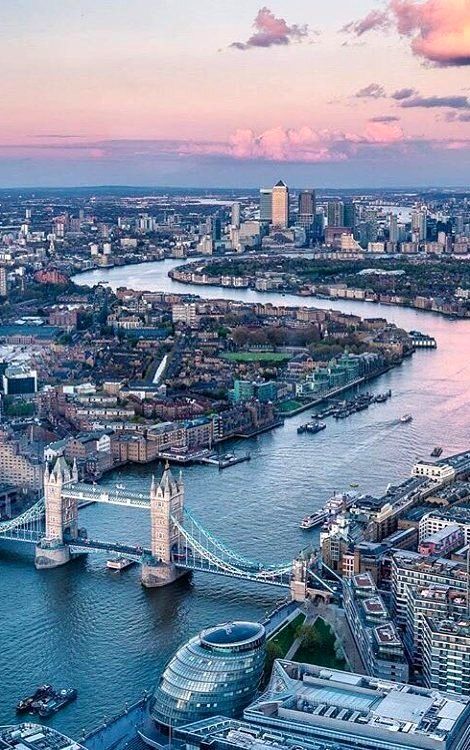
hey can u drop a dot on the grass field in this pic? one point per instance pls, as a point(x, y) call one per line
point(286, 637)
point(277, 357)
point(288, 406)
point(324, 655)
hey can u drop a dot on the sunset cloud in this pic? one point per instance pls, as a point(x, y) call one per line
point(270, 30)
point(276, 144)
point(372, 91)
point(403, 94)
point(431, 102)
point(439, 29)
point(281, 144)
point(384, 118)
point(376, 19)
point(458, 116)
point(383, 132)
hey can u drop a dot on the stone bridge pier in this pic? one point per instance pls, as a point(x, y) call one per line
point(166, 507)
point(61, 515)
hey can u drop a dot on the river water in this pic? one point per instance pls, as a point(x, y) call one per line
point(101, 632)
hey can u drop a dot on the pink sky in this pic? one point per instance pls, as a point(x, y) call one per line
point(140, 89)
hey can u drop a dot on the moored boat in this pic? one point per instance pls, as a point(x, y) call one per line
point(46, 701)
point(338, 503)
point(26, 704)
point(58, 701)
point(119, 563)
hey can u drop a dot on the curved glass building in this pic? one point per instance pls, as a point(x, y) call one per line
point(215, 673)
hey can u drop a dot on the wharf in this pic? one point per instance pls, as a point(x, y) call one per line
point(225, 461)
point(254, 433)
point(337, 391)
point(185, 457)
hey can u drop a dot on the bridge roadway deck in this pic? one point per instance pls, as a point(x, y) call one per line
point(136, 552)
point(140, 554)
point(94, 493)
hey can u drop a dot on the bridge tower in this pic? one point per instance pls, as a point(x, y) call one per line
point(298, 585)
point(166, 507)
point(61, 515)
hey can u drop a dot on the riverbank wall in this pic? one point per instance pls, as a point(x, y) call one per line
point(174, 274)
point(338, 391)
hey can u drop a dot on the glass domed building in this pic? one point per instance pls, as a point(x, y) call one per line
point(215, 673)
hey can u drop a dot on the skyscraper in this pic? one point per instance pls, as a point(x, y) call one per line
point(393, 228)
point(280, 205)
point(335, 214)
point(216, 228)
point(349, 214)
point(306, 208)
point(265, 204)
point(235, 215)
point(3, 282)
point(419, 223)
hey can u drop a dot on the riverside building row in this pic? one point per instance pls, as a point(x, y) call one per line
point(378, 640)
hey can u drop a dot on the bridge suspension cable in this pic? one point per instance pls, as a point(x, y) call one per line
point(231, 554)
point(28, 526)
point(195, 554)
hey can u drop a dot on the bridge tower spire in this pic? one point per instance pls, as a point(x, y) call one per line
point(61, 515)
point(166, 511)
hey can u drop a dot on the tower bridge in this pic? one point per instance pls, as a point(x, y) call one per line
point(179, 543)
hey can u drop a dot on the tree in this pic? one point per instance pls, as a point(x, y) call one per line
point(310, 636)
point(273, 652)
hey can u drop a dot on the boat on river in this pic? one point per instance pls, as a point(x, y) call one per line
point(406, 418)
point(45, 701)
point(119, 563)
point(338, 503)
point(311, 427)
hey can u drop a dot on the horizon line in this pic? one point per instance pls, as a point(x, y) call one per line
point(124, 186)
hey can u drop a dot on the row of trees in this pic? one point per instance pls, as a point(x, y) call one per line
point(244, 336)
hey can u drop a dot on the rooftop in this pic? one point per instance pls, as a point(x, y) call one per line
point(458, 513)
point(35, 737)
point(232, 634)
point(452, 627)
point(432, 565)
point(307, 700)
point(441, 534)
point(386, 635)
point(363, 581)
point(438, 592)
point(374, 606)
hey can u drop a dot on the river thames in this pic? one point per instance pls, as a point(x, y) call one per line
point(86, 627)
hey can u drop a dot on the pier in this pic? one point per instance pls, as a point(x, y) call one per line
point(224, 462)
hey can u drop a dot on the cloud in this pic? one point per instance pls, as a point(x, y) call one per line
point(458, 116)
point(439, 29)
point(384, 118)
point(430, 102)
point(383, 132)
point(372, 91)
point(271, 31)
point(376, 19)
point(284, 145)
point(54, 135)
point(403, 94)
point(276, 144)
